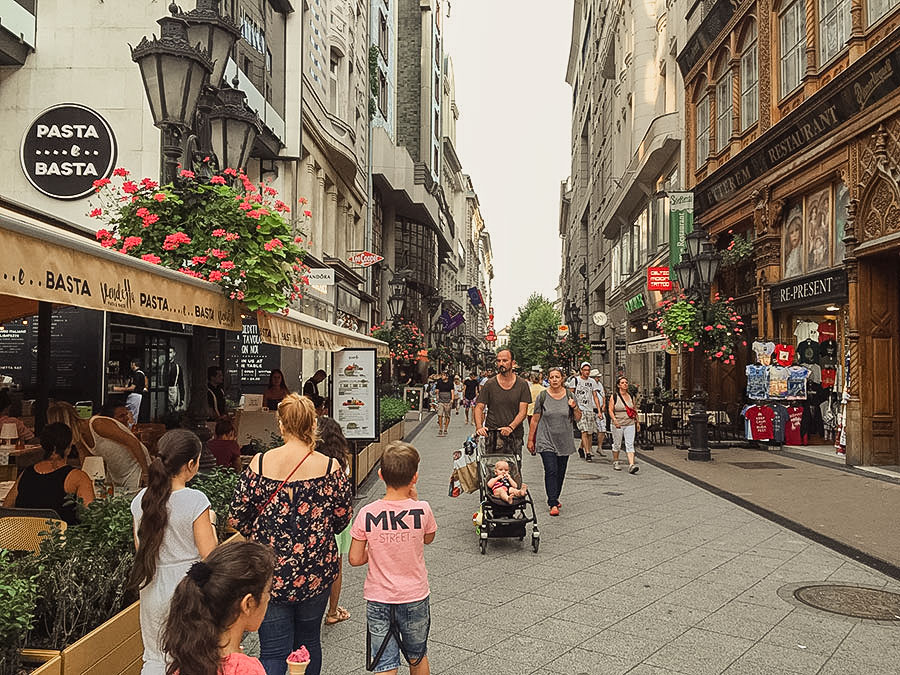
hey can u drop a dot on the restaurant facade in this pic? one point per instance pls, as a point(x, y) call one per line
point(793, 140)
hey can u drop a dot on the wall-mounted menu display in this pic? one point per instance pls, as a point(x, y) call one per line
point(353, 393)
point(250, 360)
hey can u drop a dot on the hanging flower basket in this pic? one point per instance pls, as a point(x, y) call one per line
point(711, 327)
point(405, 340)
point(738, 251)
point(239, 238)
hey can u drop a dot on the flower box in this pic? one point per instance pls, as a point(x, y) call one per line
point(45, 661)
point(113, 648)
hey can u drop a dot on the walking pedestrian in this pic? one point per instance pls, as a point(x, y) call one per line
point(471, 388)
point(506, 396)
point(445, 396)
point(623, 414)
point(458, 391)
point(550, 434)
point(172, 531)
point(218, 601)
point(536, 388)
point(295, 500)
point(588, 394)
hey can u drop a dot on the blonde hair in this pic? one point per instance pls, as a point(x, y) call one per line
point(297, 415)
point(64, 413)
point(399, 464)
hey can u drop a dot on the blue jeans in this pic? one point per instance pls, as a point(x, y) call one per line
point(554, 474)
point(289, 625)
point(413, 620)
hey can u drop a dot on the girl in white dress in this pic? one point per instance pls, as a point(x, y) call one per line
point(173, 530)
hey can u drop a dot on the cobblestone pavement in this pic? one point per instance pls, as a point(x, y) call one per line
point(643, 574)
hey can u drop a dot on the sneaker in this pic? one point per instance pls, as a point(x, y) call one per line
point(581, 452)
point(634, 468)
point(617, 466)
point(588, 458)
point(554, 510)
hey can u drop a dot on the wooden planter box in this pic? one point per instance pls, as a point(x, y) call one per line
point(46, 661)
point(369, 457)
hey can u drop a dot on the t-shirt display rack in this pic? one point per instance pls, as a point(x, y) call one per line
point(781, 410)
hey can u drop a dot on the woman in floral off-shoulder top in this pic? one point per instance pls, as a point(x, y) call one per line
point(295, 500)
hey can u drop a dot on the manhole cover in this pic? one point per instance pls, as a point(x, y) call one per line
point(761, 465)
point(855, 601)
point(585, 476)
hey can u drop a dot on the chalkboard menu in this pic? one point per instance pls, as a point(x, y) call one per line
point(75, 353)
point(249, 360)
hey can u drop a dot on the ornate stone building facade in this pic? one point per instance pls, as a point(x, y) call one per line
point(793, 141)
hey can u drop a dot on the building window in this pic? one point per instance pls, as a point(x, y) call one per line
point(383, 34)
point(723, 108)
point(878, 8)
point(749, 80)
point(834, 28)
point(382, 94)
point(792, 30)
point(701, 127)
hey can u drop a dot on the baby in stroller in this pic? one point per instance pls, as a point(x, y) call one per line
point(503, 486)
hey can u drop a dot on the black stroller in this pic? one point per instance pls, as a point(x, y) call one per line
point(500, 519)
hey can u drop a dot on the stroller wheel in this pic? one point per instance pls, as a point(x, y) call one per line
point(483, 546)
point(535, 543)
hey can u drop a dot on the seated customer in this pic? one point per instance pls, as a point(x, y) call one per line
point(224, 446)
point(106, 435)
point(24, 432)
point(48, 484)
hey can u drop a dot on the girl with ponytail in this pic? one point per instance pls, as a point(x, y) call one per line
point(173, 530)
point(219, 599)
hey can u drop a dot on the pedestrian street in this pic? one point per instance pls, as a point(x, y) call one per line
point(643, 574)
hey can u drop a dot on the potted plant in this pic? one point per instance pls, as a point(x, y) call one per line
point(710, 327)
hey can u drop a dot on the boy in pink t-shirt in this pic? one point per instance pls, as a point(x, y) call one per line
point(390, 535)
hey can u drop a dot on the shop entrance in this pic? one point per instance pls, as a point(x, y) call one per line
point(879, 353)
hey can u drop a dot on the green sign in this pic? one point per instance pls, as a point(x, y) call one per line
point(681, 224)
point(635, 303)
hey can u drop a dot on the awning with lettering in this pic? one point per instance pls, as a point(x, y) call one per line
point(40, 261)
point(648, 345)
point(301, 331)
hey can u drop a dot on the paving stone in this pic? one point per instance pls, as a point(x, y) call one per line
point(817, 631)
point(765, 658)
point(700, 652)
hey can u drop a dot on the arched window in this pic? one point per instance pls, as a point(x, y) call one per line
point(792, 41)
point(834, 28)
point(749, 78)
point(723, 104)
point(701, 122)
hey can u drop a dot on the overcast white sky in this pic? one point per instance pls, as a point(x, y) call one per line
point(512, 137)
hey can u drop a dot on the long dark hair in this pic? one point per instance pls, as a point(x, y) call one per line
point(284, 386)
point(332, 442)
point(56, 439)
point(208, 601)
point(175, 449)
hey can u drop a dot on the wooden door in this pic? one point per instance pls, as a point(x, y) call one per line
point(879, 352)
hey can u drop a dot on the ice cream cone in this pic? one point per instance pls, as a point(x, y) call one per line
point(296, 668)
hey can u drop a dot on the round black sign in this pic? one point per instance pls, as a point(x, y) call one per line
point(66, 149)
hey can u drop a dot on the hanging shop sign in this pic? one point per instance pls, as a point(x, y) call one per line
point(364, 258)
point(353, 393)
point(681, 223)
point(862, 85)
point(475, 297)
point(648, 345)
point(635, 303)
point(811, 290)
point(658, 279)
point(66, 148)
point(320, 276)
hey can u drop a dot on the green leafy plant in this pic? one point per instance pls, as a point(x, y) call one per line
point(569, 350)
point(239, 239)
point(738, 250)
point(442, 355)
point(405, 340)
point(711, 327)
point(391, 411)
point(18, 595)
point(218, 485)
point(374, 51)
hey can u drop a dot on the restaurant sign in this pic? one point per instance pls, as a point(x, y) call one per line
point(43, 270)
point(681, 224)
point(815, 289)
point(658, 279)
point(66, 148)
point(635, 303)
point(864, 84)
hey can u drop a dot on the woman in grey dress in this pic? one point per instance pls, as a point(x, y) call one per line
point(550, 433)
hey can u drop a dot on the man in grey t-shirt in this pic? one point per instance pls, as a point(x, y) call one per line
point(506, 398)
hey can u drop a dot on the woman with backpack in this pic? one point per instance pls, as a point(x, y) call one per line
point(550, 433)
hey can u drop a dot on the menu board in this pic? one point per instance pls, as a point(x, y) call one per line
point(353, 393)
point(250, 360)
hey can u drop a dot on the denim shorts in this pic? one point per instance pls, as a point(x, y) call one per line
point(413, 620)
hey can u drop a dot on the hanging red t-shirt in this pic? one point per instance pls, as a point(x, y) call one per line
point(792, 435)
point(829, 375)
point(760, 418)
point(827, 331)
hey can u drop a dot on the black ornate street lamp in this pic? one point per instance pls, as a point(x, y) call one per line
point(696, 271)
point(182, 72)
point(397, 299)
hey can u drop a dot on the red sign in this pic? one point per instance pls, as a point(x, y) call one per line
point(364, 259)
point(490, 337)
point(658, 279)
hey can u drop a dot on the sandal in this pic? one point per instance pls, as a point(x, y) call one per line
point(340, 614)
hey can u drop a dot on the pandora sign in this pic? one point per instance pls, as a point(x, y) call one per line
point(66, 149)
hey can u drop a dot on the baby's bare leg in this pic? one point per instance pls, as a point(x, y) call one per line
point(504, 495)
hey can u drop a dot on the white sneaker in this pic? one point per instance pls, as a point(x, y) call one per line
point(616, 466)
point(634, 468)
